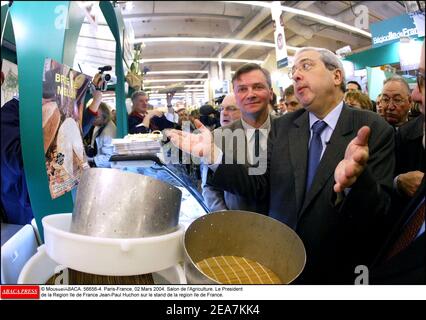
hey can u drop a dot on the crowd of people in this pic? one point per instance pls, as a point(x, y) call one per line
point(346, 173)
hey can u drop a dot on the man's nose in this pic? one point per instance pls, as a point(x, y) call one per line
point(297, 75)
point(250, 93)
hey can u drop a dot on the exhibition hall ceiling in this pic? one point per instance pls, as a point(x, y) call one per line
point(155, 22)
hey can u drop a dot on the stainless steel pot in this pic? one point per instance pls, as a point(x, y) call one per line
point(115, 204)
point(244, 234)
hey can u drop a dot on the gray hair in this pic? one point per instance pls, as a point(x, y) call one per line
point(397, 78)
point(136, 94)
point(330, 60)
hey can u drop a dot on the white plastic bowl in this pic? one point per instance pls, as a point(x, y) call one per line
point(110, 256)
point(41, 268)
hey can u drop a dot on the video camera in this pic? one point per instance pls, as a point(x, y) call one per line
point(100, 80)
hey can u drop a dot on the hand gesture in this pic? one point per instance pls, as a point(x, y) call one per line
point(155, 113)
point(409, 182)
point(354, 162)
point(200, 145)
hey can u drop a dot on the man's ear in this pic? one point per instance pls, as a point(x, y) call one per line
point(338, 76)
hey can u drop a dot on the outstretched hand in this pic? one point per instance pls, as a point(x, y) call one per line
point(356, 156)
point(200, 145)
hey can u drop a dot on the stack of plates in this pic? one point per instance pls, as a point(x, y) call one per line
point(128, 146)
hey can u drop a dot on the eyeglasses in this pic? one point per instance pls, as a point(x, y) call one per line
point(228, 108)
point(396, 101)
point(305, 66)
point(420, 80)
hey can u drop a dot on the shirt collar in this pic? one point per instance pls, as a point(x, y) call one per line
point(249, 133)
point(331, 119)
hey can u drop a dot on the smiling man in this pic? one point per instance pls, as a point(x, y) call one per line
point(244, 114)
point(320, 179)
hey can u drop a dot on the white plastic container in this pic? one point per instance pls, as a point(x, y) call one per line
point(41, 268)
point(108, 256)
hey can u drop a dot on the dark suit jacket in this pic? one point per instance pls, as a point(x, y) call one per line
point(217, 199)
point(410, 155)
point(14, 192)
point(336, 237)
point(156, 123)
point(408, 266)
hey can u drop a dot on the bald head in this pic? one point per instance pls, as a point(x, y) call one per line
point(229, 111)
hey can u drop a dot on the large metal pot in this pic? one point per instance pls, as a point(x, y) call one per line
point(243, 234)
point(115, 204)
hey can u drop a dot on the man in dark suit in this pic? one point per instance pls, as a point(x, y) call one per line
point(402, 260)
point(217, 199)
point(316, 181)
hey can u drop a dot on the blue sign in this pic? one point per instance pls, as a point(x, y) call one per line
point(391, 30)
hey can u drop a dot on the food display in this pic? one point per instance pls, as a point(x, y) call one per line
point(237, 270)
point(155, 135)
point(79, 278)
point(139, 143)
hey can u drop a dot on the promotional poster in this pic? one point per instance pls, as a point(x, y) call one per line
point(63, 97)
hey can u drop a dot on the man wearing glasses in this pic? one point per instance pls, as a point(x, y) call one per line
point(329, 171)
point(402, 258)
point(409, 151)
point(229, 111)
point(396, 100)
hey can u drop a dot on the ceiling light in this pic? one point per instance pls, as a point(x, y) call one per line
point(194, 86)
point(173, 80)
point(203, 39)
point(308, 14)
point(176, 72)
point(154, 87)
point(199, 59)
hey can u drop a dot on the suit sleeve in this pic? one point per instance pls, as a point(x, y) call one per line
point(133, 122)
point(213, 197)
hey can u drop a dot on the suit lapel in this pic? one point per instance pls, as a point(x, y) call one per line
point(333, 154)
point(298, 145)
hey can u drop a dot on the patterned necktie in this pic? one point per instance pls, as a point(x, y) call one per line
point(315, 149)
point(409, 231)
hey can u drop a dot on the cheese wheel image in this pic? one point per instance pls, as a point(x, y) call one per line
point(51, 118)
point(70, 144)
